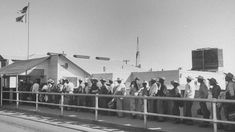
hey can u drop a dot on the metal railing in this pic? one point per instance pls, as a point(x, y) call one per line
point(145, 112)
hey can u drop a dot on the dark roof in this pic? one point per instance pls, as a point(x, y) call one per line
point(21, 66)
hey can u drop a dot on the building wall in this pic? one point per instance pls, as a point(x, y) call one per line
point(53, 68)
point(169, 75)
point(67, 69)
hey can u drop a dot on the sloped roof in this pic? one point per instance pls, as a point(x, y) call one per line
point(118, 68)
point(21, 66)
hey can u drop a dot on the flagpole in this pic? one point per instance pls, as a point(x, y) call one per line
point(28, 32)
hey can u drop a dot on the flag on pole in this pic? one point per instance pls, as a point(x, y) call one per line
point(20, 18)
point(24, 10)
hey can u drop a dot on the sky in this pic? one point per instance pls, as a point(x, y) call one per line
point(168, 30)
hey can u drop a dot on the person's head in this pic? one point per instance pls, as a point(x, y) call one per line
point(110, 82)
point(103, 81)
point(175, 83)
point(189, 79)
point(145, 83)
point(66, 81)
point(200, 79)
point(212, 81)
point(162, 80)
point(153, 80)
point(229, 77)
point(137, 80)
point(119, 80)
point(80, 81)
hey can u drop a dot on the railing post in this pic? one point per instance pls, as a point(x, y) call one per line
point(62, 105)
point(96, 107)
point(214, 115)
point(17, 93)
point(145, 112)
point(36, 101)
point(17, 99)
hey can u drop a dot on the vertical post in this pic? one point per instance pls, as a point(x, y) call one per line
point(2, 81)
point(62, 104)
point(28, 33)
point(214, 115)
point(36, 101)
point(145, 112)
point(17, 93)
point(96, 107)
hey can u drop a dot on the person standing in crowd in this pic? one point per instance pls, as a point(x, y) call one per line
point(143, 91)
point(229, 94)
point(103, 101)
point(153, 90)
point(79, 100)
point(35, 89)
point(134, 92)
point(189, 94)
point(175, 92)
point(69, 87)
point(215, 94)
point(110, 87)
point(203, 93)
point(120, 90)
point(162, 104)
point(94, 90)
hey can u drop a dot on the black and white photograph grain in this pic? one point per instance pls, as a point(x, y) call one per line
point(117, 65)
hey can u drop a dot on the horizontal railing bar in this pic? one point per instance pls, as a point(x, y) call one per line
point(136, 97)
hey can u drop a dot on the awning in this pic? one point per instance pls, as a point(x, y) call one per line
point(21, 66)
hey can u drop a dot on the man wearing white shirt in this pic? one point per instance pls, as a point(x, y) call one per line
point(189, 93)
point(152, 92)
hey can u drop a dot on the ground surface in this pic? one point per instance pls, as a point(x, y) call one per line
point(102, 125)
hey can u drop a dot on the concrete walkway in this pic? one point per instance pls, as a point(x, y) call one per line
point(115, 121)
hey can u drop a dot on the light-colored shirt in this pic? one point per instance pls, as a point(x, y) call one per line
point(69, 87)
point(153, 89)
point(35, 87)
point(189, 91)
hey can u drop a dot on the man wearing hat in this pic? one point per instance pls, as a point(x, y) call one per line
point(120, 90)
point(230, 94)
point(175, 92)
point(189, 94)
point(215, 94)
point(203, 93)
point(134, 87)
point(103, 102)
point(143, 91)
point(152, 92)
point(162, 104)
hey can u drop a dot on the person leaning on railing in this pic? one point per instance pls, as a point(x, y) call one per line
point(189, 94)
point(215, 91)
point(103, 101)
point(120, 90)
point(230, 94)
point(134, 87)
point(143, 91)
point(152, 104)
point(162, 104)
point(203, 93)
point(175, 92)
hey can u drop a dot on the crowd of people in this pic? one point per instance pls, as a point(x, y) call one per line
point(154, 88)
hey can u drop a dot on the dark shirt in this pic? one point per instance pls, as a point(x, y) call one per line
point(175, 92)
point(103, 90)
point(94, 89)
point(203, 91)
point(215, 91)
point(162, 91)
